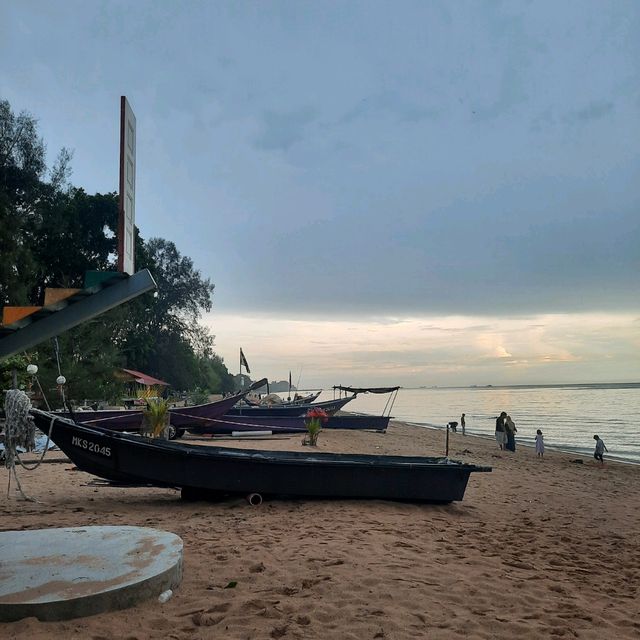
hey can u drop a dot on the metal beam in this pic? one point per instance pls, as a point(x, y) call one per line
point(76, 313)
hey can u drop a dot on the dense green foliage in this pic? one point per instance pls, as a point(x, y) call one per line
point(51, 233)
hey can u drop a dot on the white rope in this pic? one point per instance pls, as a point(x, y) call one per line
point(20, 431)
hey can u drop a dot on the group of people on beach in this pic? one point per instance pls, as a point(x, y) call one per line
point(505, 437)
point(506, 432)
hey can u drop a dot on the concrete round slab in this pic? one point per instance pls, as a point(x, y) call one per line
point(57, 574)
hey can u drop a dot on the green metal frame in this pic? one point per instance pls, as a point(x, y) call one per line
point(66, 314)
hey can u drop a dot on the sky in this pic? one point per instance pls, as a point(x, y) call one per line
point(414, 193)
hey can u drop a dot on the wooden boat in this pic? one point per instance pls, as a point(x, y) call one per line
point(180, 417)
point(311, 397)
point(392, 392)
point(203, 471)
point(285, 424)
point(286, 419)
point(328, 406)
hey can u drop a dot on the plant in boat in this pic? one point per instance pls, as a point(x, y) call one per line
point(156, 417)
point(313, 422)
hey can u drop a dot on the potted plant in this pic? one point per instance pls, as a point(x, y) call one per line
point(313, 422)
point(155, 421)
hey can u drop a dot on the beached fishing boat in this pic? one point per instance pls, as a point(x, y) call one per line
point(328, 406)
point(288, 420)
point(180, 417)
point(285, 424)
point(311, 397)
point(203, 471)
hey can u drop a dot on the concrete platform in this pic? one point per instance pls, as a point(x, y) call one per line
point(57, 574)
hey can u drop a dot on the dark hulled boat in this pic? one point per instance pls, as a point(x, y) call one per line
point(328, 406)
point(287, 419)
point(285, 424)
point(204, 470)
point(180, 417)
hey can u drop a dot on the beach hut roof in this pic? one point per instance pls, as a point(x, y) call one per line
point(143, 378)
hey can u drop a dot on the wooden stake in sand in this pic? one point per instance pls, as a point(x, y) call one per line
point(446, 445)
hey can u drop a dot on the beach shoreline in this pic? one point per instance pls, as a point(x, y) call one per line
point(538, 548)
point(530, 445)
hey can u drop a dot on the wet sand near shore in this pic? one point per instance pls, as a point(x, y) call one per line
point(538, 549)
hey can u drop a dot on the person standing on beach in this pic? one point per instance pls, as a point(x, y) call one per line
point(600, 449)
point(462, 424)
point(510, 429)
point(501, 436)
point(539, 443)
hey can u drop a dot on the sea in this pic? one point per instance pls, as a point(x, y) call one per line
point(568, 415)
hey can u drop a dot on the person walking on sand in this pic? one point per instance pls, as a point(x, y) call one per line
point(539, 443)
point(600, 449)
point(510, 429)
point(462, 424)
point(501, 436)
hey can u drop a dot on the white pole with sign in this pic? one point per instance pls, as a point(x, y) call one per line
point(127, 204)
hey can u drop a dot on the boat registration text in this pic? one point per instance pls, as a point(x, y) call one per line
point(93, 447)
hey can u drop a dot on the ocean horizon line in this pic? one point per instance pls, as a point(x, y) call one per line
point(559, 385)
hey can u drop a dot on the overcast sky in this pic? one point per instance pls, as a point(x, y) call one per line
point(400, 192)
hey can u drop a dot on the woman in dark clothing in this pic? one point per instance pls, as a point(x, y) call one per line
point(510, 428)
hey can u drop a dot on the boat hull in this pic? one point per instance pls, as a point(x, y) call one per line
point(285, 424)
point(131, 419)
point(207, 470)
point(197, 415)
point(329, 407)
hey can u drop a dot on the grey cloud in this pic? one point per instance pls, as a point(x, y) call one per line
point(417, 114)
point(280, 131)
point(388, 103)
point(543, 121)
point(475, 215)
point(593, 111)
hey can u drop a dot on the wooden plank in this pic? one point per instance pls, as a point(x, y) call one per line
point(13, 314)
point(76, 312)
point(51, 296)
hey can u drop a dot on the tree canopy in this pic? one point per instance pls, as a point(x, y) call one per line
point(51, 233)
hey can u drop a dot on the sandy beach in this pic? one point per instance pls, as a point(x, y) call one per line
point(537, 549)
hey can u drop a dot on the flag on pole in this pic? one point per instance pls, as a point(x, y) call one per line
point(243, 361)
point(289, 380)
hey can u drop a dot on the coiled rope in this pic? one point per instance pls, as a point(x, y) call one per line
point(20, 431)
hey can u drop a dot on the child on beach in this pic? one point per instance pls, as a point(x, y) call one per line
point(600, 449)
point(539, 443)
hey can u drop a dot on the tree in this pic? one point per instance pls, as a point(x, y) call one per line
point(88, 360)
point(74, 233)
point(17, 365)
point(22, 167)
point(162, 335)
point(182, 293)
